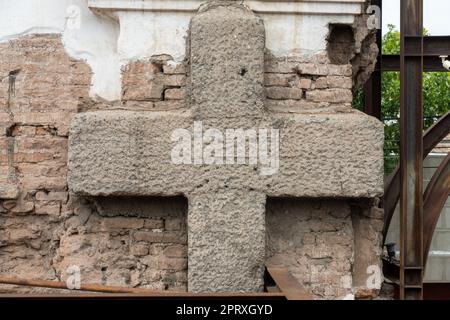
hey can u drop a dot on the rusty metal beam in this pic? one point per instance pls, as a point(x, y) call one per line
point(116, 291)
point(411, 153)
point(431, 138)
point(391, 62)
point(283, 279)
point(427, 46)
point(435, 197)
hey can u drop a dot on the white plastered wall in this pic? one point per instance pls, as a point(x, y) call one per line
point(110, 33)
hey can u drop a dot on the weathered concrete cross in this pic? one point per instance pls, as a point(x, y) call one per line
point(128, 153)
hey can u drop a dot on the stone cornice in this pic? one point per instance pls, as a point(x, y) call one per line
point(151, 27)
point(323, 7)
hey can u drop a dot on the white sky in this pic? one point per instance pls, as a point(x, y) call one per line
point(436, 15)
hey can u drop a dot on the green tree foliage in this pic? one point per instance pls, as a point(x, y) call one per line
point(436, 99)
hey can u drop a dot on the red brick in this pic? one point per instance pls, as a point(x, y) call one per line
point(174, 94)
point(159, 237)
point(176, 251)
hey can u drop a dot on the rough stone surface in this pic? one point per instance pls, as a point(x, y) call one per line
point(368, 223)
point(235, 88)
point(226, 241)
point(223, 254)
point(366, 50)
point(9, 191)
point(128, 153)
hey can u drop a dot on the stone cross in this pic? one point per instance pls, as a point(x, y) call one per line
point(129, 153)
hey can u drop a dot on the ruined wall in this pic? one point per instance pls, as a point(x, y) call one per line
point(333, 247)
point(142, 242)
point(154, 84)
point(328, 245)
point(314, 238)
point(43, 229)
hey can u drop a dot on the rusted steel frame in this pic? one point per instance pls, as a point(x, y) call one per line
point(83, 287)
point(287, 284)
point(391, 62)
point(372, 88)
point(431, 138)
point(391, 270)
point(432, 46)
point(435, 197)
point(436, 133)
point(117, 291)
point(411, 154)
point(431, 291)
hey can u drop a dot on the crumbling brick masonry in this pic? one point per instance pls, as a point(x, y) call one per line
point(88, 182)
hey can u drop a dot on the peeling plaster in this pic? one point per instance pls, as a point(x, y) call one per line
point(95, 41)
point(113, 36)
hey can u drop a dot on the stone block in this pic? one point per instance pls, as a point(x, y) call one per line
point(330, 95)
point(9, 192)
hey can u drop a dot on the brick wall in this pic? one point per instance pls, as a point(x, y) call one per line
point(308, 84)
point(438, 267)
point(154, 84)
point(44, 230)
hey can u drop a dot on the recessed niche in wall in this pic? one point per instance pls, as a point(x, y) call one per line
point(128, 241)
